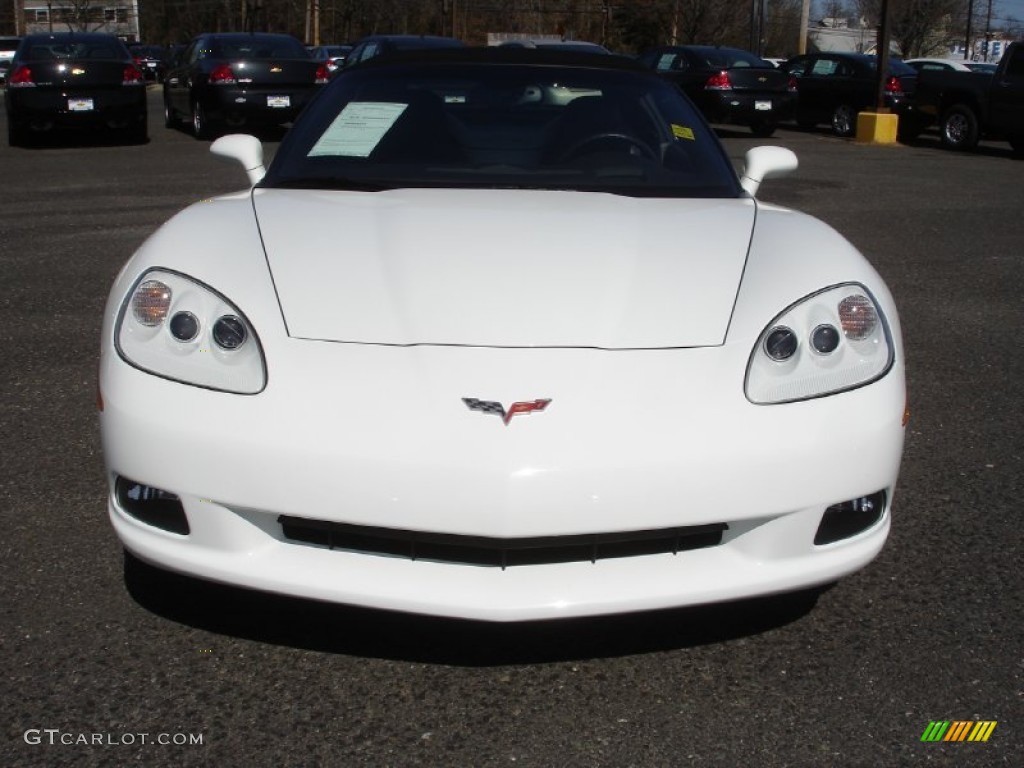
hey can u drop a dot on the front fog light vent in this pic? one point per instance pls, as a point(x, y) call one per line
point(151, 506)
point(849, 518)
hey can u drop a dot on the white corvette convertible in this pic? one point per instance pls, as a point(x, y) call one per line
point(501, 335)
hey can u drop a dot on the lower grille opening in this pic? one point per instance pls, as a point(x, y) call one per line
point(500, 553)
point(151, 505)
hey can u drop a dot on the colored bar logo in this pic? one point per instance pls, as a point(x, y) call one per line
point(959, 730)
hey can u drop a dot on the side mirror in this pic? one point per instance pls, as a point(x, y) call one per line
point(244, 149)
point(761, 163)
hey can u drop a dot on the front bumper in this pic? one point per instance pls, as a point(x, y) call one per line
point(381, 438)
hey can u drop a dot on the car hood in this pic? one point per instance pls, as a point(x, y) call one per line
point(504, 268)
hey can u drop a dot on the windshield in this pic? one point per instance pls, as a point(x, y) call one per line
point(149, 51)
point(503, 126)
point(257, 47)
point(53, 48)
point(731, 58)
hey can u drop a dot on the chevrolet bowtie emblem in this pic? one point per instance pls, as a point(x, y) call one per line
point(516, 409)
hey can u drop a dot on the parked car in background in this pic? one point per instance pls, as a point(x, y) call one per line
point(333, 55)
point(729, 85)
point(940, 65)
point(949, 65)
point(231, 80)
point(376, 45)
point(969, 105)
point(150, 59)
point(580, 46)
point(833, 87)
point(172, 54)
point(8, 45)
point(74, 80)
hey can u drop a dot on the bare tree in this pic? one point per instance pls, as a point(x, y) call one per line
point(81, 15)
point(918, 27)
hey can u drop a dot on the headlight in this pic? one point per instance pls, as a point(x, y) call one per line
point(828, 342)
point(173, 326)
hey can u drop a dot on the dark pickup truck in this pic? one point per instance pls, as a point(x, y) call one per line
point(969, 105)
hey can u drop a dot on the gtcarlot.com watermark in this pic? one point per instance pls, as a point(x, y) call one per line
point(57, 737)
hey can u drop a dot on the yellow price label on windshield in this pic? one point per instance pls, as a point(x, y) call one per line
point(682, 132)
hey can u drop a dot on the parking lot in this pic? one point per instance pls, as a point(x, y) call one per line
point(108, 666)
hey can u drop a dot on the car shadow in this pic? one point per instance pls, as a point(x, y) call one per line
point(987, 148)
point(266, 133)
point(736, 132)
point(368, 633)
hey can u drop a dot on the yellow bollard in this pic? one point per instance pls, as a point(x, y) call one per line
point(877, 127)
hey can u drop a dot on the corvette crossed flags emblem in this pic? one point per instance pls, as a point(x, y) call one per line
point(516, 409)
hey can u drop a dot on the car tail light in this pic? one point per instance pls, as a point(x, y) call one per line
point(21, 78)
point(718, 82)
point(137, 60)
point(132, 75)
point(222, 75)
point(791, 86)
point(893, 86)
point(322, 74)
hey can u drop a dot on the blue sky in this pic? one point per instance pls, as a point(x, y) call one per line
point(1014, 8)
point(1003, 8)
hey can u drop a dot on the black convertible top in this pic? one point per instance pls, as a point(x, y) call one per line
point(506, 55)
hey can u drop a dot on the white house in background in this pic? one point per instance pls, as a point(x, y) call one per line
point(993, 52)
point(842, 35)
point(115, 17)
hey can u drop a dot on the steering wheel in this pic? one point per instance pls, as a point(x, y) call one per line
point(583, 146)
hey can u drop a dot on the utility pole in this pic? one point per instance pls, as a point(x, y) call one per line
point(967, 37)
point(882, 53)
point(805, 14)
point(988, 31)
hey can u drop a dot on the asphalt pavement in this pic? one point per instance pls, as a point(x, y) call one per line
point(106, 663)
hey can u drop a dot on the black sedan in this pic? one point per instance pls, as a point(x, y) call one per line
point(332, 55)
point(150, 59)
point(833, 87)
point(234, 79)
point(729, 85)
point(74, 80)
